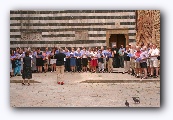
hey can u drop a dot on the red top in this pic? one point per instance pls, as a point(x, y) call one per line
point(137, 54)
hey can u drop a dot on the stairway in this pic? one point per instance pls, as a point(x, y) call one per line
point(118, 70)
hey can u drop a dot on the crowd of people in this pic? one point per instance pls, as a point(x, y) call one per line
point(140, 61)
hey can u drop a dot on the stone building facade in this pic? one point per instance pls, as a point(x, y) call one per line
point(72, 28)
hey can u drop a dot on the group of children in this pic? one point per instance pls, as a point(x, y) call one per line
point(137, 60)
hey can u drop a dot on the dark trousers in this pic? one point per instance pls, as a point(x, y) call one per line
point(121, 61)
point(78, 64)
point(67, 65)
point(116, 63)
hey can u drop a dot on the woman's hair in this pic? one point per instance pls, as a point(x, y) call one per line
point(38, 48)
point(11, 52)
point(27, 53)
point(138, 47)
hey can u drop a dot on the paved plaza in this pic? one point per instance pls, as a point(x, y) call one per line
point(84, 90)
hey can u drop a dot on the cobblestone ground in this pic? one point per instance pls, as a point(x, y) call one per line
point(75, 93)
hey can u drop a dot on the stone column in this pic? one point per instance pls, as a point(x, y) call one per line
point(107, 38)
point(127, 38)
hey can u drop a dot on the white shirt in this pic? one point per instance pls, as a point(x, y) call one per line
point(154, 52)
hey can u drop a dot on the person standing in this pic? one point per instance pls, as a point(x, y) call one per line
point(89, 54)
point(72, 60)
point(78, 59)
point(13, 65)
point(154, 61)
point(46, 59)
point(104, 58)
point(93, 60)
point(67, 61)
point(150, 47)
point(60, 66)
point(121, 56)
point(34, 67)
point(17, 62)
point(20, 57)
point(39, 60)
point(27, 72)
point(116, 63)
point(101, 61)
point(137, 63)
point(84, 60)
point(143, 61)
point(126, 60)
point(110, 56)
point(53, 60)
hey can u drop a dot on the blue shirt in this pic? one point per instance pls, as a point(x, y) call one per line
point(78, 54)
point(67, 54)
point(72, 54)
point(109, 54)
point(13, 56)
point(104, 52)
point(48, 53)
point(57, 51)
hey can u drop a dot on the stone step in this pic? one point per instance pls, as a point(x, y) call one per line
point(118, 70)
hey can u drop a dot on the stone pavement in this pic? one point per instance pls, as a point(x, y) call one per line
point(85, 90)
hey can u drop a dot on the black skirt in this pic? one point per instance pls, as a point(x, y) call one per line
point(27, 73)
point(84, 62)
point(39, 62)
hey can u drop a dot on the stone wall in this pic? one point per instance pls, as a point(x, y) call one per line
point(148, 27)
point(68, 28)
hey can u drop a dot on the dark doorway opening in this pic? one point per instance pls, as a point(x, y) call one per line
point(118, 39)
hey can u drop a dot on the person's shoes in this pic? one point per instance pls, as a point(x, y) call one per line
point(155, 76)
point(151, 76)
point(59, 82)
point(23, 83)
point(144, 78)
point(138, 76)
point(62, 83)
point(28, 84)
point(123, 72)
